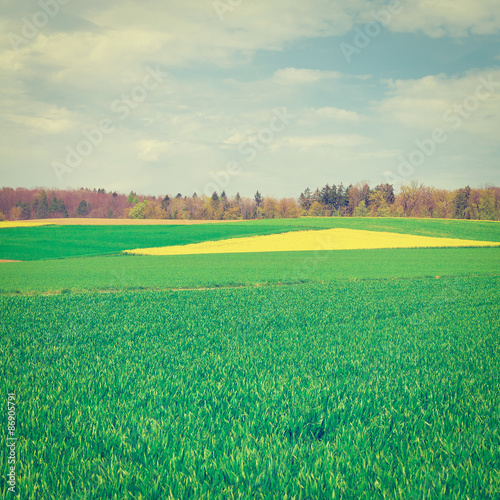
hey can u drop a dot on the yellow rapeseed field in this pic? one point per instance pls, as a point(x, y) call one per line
point(22, 223)
point(327, 239)
point(108, 222)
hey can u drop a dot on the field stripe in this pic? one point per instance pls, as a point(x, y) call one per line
point(329, 239)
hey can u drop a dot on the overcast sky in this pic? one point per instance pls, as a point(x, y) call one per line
point(167, 96)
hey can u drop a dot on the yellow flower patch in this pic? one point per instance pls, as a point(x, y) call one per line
point(327, 239)
point(22, 223)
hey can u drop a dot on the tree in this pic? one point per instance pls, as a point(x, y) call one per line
point(57, 208)
point(258, 199)
point(232, 213)
point(460, 203)
point(62, 209)
point(165, 202)
point(287, 208)
point(316, 210)
point(387, 191)
point(378, 205)
point(269, 208)
point(15, 213)
point(487, 207)
point(24, 212)
point(42, 209)
point(138, 212)
point(410, 198)
point(83, 209)
point(361, 210)
point(215, 200)
point(305, 199)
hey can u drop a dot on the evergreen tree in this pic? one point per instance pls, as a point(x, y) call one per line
point(43, 206)
point(165, 202)
point(305, 199)
point(54, 206)
point(63, 212)
point(460, 203)
point(258, 199)
point(25, 212)
point(83, 209)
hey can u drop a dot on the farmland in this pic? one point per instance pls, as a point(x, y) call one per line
point(250, 393)
point(62, 241)
point(201, 271)
point(353, 374)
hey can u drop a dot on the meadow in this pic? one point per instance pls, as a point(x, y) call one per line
point(341, 390)
point(124, 272)
point(350, 374)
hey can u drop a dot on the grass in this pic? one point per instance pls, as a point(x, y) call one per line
point(54, 242)
point(361, 390)
point(143, 272)
point(368, 374)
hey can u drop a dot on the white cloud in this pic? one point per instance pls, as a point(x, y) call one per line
point(455, 18)
point(297, 76)
point(306, 143)
point(442, 101)
point(335, 114)
point(212, 98)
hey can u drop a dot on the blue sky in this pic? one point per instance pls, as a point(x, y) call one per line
point(195, 96)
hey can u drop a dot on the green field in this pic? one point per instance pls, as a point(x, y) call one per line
point(200, 271)
point(374, 389)
point(53, 242)
point(354, 374)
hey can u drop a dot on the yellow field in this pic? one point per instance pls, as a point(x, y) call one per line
point(108, 222)
point(327, 239)
point(22, 223)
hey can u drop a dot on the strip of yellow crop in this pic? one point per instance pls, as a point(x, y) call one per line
point(22, 223)
point(327, 239)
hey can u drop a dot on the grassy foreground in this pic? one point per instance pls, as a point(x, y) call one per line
point(192, 271)
point(311, 391)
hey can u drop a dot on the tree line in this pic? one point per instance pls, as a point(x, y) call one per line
point(360, 200)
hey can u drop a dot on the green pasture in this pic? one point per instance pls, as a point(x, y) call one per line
point(378, 389)
point(125, 272)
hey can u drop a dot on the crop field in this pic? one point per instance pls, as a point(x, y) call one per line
point(326, 239)
point(315, 391)
point(121, 273)
point(62, 241)
point(346, 374)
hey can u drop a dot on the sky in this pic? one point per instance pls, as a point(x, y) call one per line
point(168, 96)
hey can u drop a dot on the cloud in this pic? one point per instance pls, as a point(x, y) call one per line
point(291, 76)
point(221, 82)
point(306, 143)
point(444, 101)
point(335, 114)
point(453, 18)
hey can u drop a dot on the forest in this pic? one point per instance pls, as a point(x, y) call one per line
point(360, 200)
